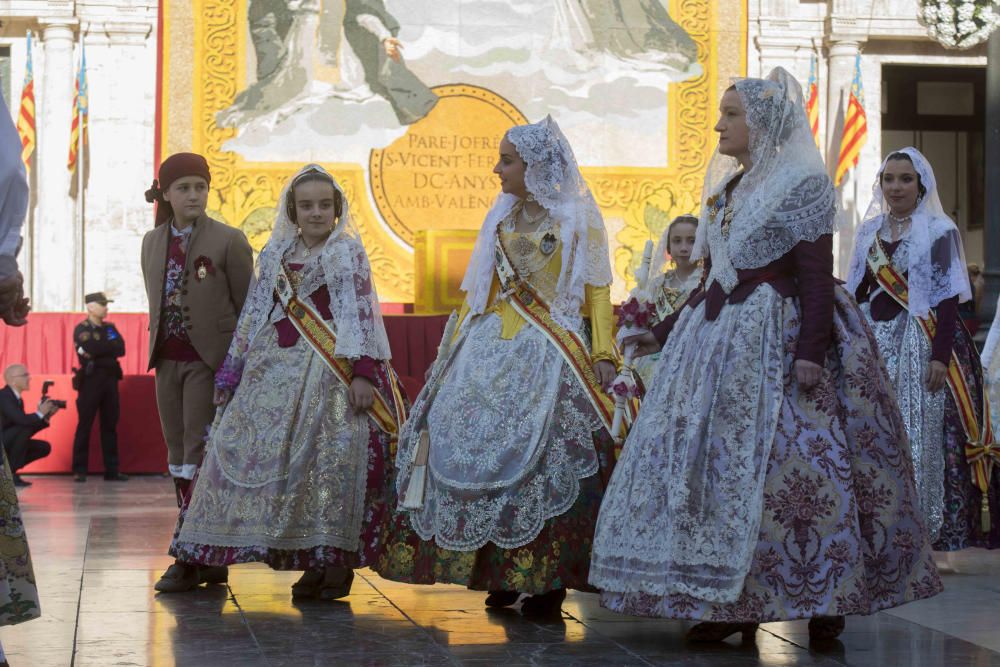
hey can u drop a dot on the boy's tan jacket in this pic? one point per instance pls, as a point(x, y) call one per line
point(212, 302)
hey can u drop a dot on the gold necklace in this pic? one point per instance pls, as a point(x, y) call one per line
point(533, 220)
point(306, 248)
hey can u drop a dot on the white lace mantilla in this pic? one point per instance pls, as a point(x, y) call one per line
point(783, 198)
point(341, 264)
point(553, 178)
point(934, 259)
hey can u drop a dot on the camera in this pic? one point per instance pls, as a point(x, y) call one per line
point(45, 395)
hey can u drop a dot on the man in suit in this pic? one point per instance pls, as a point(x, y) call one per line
point(98, 347)
point(197, 272)
point(19, 426)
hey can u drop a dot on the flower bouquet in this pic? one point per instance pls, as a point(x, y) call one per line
point(634, 318)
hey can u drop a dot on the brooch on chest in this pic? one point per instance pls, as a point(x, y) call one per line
point(203, 268)
point(548, 244)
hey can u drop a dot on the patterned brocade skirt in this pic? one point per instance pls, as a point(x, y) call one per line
point(949, 499)
point(740, 498)
point(518, 467)
point(292, 477)
point(18, 591)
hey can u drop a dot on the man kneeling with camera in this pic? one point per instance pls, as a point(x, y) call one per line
point(19, 426)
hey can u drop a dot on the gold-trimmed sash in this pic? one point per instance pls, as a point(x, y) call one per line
point(981, 452)
point(533, 308)
point(317, 332)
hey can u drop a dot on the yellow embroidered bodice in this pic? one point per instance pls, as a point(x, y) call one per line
point(537, 257)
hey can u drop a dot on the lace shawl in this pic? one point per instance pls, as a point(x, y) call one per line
point(936, 264)
point(783, 198)
point(357, 316)
point(553, 178)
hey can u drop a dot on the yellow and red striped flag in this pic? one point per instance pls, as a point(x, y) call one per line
point(26, 113)
point(81, 110)
point(855, 127)
point(812, 99)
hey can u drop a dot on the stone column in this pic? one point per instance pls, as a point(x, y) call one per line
point(55, 253)
point(991, 234)
point(840, 74)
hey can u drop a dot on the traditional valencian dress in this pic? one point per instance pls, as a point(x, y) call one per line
point(18, 592)
point(909, 290)
point(293, 477)
point(515, 424)
point(740, 497)
point(669, 292)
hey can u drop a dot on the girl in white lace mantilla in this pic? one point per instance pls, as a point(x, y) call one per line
point(906, 230)
point(518, 454)
point(298, 470)
point(766, 477)
point(670, 287)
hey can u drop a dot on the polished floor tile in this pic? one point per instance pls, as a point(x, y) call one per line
point(99, 548)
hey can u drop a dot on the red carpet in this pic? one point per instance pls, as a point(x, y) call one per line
point(46, 348)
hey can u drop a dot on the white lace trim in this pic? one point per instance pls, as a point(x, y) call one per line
point(934, 258)
point(784, 198)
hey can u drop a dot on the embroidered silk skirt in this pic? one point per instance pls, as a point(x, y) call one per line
point(292, 476)
point(950, 501)
point(739, 497)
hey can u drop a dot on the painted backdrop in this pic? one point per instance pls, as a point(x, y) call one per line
point(405, 102)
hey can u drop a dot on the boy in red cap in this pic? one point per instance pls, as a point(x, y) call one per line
point(197, 271)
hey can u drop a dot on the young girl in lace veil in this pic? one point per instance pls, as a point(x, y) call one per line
point(509, 438)
point(298, 469)
point(766, 477)
point(907, 231)
point(670, 286)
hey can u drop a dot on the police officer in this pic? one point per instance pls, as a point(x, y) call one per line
point(98, 347)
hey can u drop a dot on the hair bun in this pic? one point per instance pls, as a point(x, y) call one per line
point(154, 193)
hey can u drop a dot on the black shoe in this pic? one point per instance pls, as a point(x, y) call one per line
point(20, 481)
point(80, 477)
point(307, 587)
point(116, 477)
point(213, 574)
point(336, 583)
point(179, 578)
point(497, 599)
point(544, 605)
point(825, 628)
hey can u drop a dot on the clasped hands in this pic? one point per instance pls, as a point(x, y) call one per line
point(14, 307)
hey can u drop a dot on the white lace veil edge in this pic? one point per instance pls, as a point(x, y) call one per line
point(785, 197)
point(553, 177)
point(936, 261)
point(354, 303)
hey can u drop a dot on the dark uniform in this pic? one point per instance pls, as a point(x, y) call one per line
point(98, 349)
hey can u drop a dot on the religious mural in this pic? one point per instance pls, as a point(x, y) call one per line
point(406, 102)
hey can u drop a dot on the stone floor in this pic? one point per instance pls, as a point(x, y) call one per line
point(98, 548)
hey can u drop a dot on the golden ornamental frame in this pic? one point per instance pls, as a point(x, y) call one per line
point(202, 67)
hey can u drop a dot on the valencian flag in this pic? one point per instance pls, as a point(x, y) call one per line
point(26, 113)
point(855, 127)
point(80, 112)
point(812, 99)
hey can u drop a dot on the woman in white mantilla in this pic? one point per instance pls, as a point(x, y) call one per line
point(509, 438)
point(767, 476)
point(298, 470)
point(909, 274)
point(670, 280)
